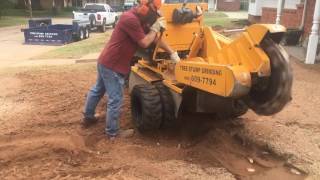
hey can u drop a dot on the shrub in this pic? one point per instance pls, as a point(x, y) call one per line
point(6, 4)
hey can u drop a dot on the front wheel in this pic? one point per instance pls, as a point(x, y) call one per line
point(146, 107)
point(168, 108)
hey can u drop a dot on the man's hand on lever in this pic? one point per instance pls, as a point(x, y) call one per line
point(175, 57)
point(159, 26)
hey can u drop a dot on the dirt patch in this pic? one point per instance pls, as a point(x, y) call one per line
point(13, 48)
point(295, 132)
point(41, 137)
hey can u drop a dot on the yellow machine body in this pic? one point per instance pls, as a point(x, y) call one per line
point(215, 63)
point(222, 66)
point(216, 74)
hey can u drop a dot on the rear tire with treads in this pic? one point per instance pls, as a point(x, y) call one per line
point(168, 117)
point(269, 95)
point(146, 107)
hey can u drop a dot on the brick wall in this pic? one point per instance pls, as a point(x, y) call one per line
point(291, 18)
point(228, 5)
point(254, 19)
point(309, 17)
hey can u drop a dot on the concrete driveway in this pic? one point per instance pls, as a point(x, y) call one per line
point(237, 14)
point(12, 45)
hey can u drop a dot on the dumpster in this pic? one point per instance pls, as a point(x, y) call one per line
point(57, 34)
point(53, 34)
point(38, 22)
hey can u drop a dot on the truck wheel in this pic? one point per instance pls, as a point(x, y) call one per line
point(103, 26)
point(86, 32)
point(146, 107)
point(115, 22)
point(168, 117)
point(92, 23)
point(81, 34)
point(92, 19)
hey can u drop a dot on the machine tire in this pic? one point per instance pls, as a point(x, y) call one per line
point(271, 94)
point(146, 107)
point(168, 116)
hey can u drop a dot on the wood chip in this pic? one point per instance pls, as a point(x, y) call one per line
point(265, 152)
point(294, 171)
point(251, 170)
point(250, 160)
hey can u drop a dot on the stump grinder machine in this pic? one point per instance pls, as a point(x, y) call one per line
point(215, 75)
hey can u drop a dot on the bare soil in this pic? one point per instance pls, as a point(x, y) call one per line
point(41, 136)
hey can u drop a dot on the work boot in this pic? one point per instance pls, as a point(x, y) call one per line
point(127, 133)
point(89, 121)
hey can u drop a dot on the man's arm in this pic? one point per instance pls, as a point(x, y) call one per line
point(163, 45)
point(173, 54)
point(148, 39)
point(151, 36)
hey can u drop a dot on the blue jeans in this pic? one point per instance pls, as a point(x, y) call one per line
point(109, 82)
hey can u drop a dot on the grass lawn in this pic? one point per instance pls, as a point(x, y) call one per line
point(12, 21)
point(78, 49)
point(38, 13)
point(221, 19)
point(217, 19)
point(14, 17)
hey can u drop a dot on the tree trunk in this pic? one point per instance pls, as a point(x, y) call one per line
point(68, 3)
point(28, 5)
point(30, 9)
point(54, 8)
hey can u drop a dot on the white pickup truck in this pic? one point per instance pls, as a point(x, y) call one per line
point(100, 15)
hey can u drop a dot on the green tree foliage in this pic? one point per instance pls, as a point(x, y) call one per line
point(6, 4)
